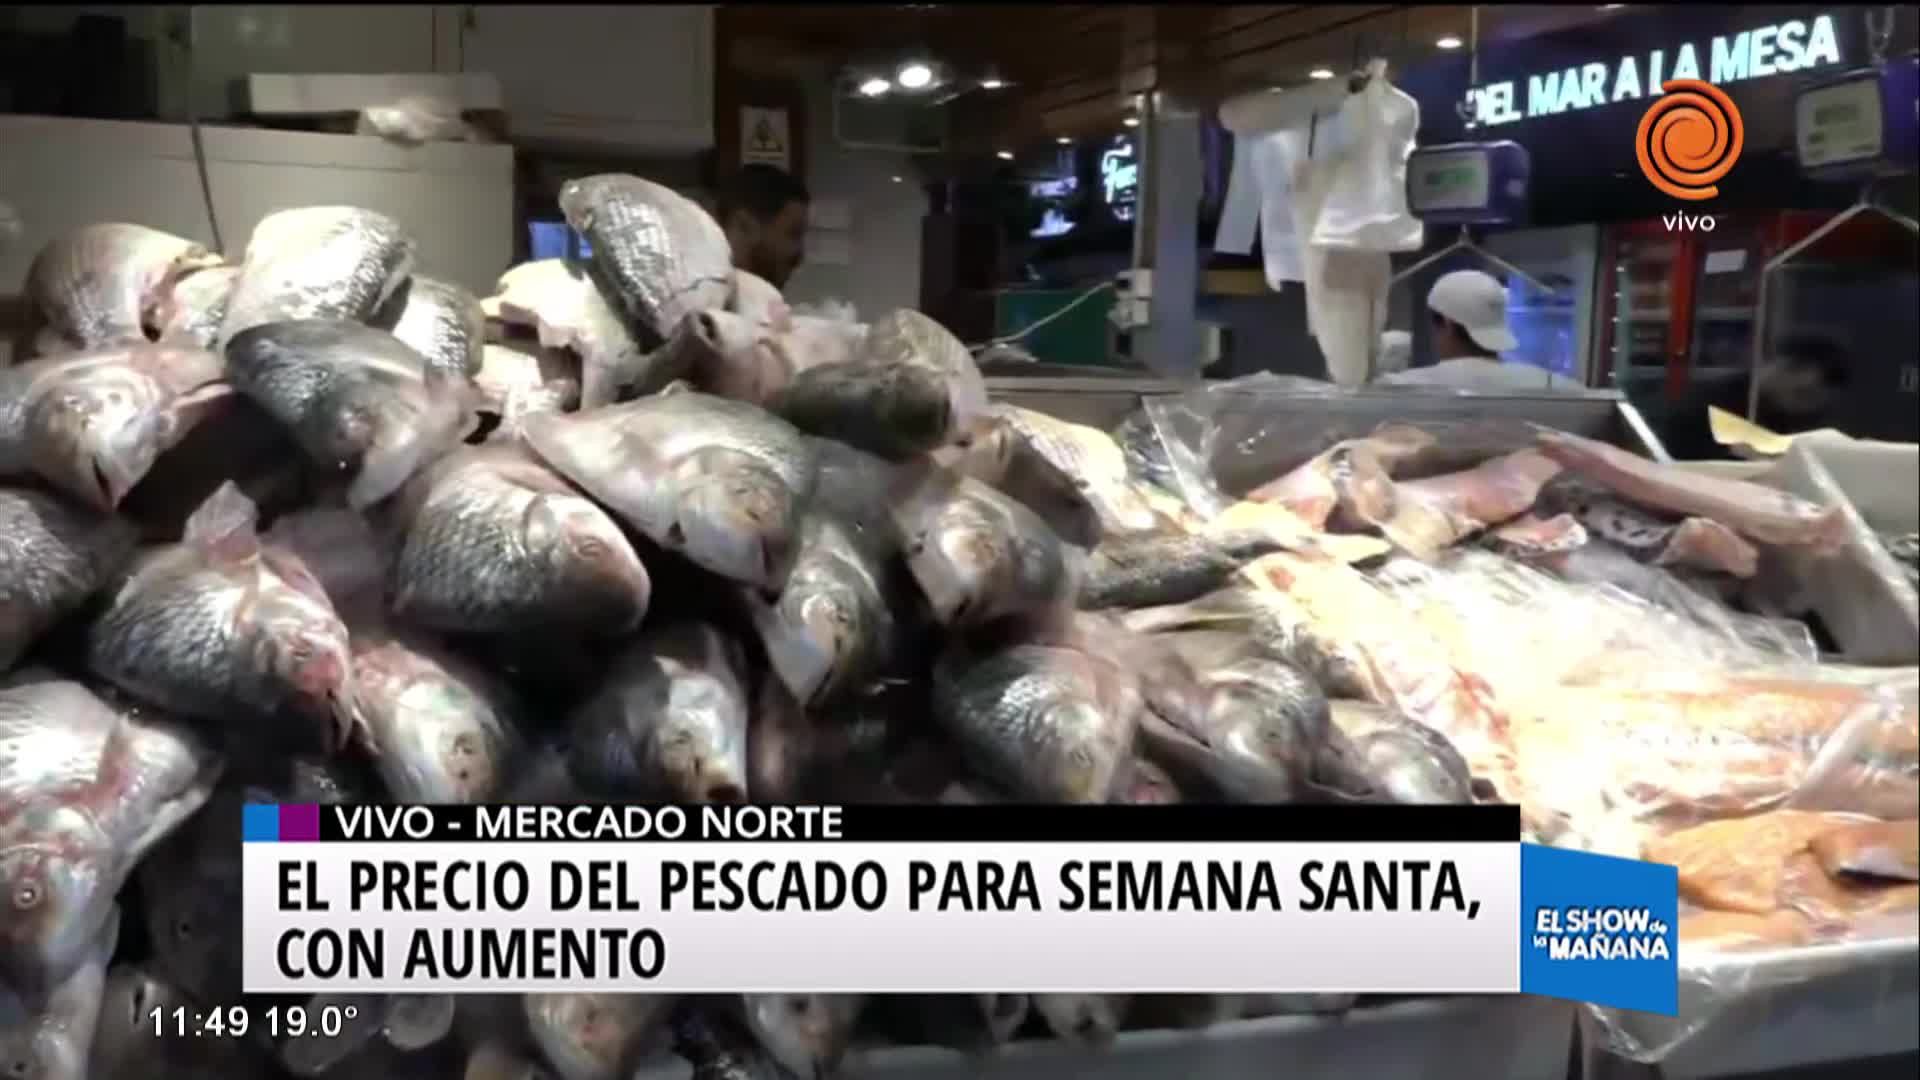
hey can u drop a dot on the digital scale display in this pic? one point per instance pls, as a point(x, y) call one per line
point(1448, 180)
point(1839, 124)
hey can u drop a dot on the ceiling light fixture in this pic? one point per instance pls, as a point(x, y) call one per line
point(898, 180)
point(875, 86)
point(914, 75)
point(1320, 73)
point(1003, 155)
point(991, 83)
point(1131, 121)
point(1064, 141)
point(1449, 42)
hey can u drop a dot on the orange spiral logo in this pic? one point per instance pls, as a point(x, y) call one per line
point(1689, 139)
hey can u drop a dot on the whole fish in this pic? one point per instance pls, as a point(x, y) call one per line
point(317, 262)
point(1049, 723)
point(54, 555)
point(1137, 570)
point(86, 789)
point(996, 454)
point(597, 1036)
point(50, 1036)
point(1752, 510)
point(226, 629)
point(562, 302)
point(96, 285)
point(662, 255)
point(895, 411)
point(192, 309)
point(670, 721)
point(832, 626)
point(442, 731)
point(1255, 732)
point(720, 481)
point(1378, 754)
point(806, 1033)
point(1086, 1020)
point(1090, 457)
point(737, 357)
point(516, 382)
point(355, 398)
point(439, 320)
point(979, 556)
point(493, 542)
point(93, 423)
point(720, 1048)
point(344, 554)
point(906, 338)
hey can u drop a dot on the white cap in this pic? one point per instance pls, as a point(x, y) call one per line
point(1478, 302)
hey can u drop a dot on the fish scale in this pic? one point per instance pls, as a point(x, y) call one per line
point(1051, 723)
point(664, 256)
point(94, 285)
point(53, 555)
point(317, 262)
point(440, 321)
point(168, 635)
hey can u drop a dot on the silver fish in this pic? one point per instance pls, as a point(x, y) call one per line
point(442, 730)
point(354, 398)
point(1274, 622)
point(93, 423)
point(516, 382)
point(86, 789)
point(596, 1036)
point(96, 285)
point(494, 542)
point(317, 262)
point(1091, 458)
point(561, 301)
point(54, 554)
point(662, 255)
point(721, 481)
point(670, 722)
point(50, 1037)
point(222, 626)
point(906, 337)
point(1048, 723)
point(192, 310)
point(979, 556)
point(832, 626)
point(806, 1033)
point(1378, 754)
point(996, 454)
point(1138, 570)
point(439, 320)
point(1089, 1020)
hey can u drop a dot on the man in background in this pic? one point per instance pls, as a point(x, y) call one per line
point(1800, 381)
point(764, 212)
point(1469, 332)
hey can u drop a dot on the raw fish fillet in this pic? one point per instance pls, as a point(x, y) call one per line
point(1531, 536)
point(1881, 849)
point(1738, 865)
point(1753, 510)
point(1354, 476)
point(1431, 515)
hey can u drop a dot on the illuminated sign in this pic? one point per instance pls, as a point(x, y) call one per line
point(1119, 180)
point(1776, 49)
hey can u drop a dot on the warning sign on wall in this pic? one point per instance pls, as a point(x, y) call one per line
point(763, 137)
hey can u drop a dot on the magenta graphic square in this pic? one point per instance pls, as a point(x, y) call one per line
point(300, 823)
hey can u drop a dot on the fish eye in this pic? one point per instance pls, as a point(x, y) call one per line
point(26, 897)
point(591, 548)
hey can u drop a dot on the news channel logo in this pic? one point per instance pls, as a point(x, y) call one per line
point(1689, 139)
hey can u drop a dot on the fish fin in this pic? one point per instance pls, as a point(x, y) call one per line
point(226, 525)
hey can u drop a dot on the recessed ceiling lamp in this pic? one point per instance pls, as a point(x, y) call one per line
point(1320, 73)
point(992, 82)
point(875, 86)
point(898, 180)
point(1449, 42)
point(1003, 155)
point(1130, 121)
point(1064, 141)
point(914, 75)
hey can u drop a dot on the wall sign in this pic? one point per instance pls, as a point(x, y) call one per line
point(1761, 52)
point(1120, 179)
point(764, 138)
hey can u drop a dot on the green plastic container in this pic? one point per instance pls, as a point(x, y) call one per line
point(1079, 337)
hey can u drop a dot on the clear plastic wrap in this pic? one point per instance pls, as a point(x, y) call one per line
point(413, 121)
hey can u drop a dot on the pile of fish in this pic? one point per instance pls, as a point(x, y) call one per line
point(306, 525)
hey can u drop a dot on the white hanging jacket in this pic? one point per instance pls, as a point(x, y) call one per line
point(1366, 205)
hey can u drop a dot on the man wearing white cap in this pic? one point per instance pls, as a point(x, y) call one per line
point(1469, 312)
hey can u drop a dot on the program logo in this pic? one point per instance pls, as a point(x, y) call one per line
point(1689, 139)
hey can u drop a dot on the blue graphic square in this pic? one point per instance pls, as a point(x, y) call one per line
point(1565, 954)
point(260, 823)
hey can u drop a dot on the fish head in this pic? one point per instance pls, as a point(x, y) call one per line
point(819, 630)
point(805, 1033)
point(737, 517)
point(959, 561)
point(702, 747)
point(54, 897)
point(301, 658)
point(586, 557)
point(917, 403)
point(342, 434)
point(98, 433)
